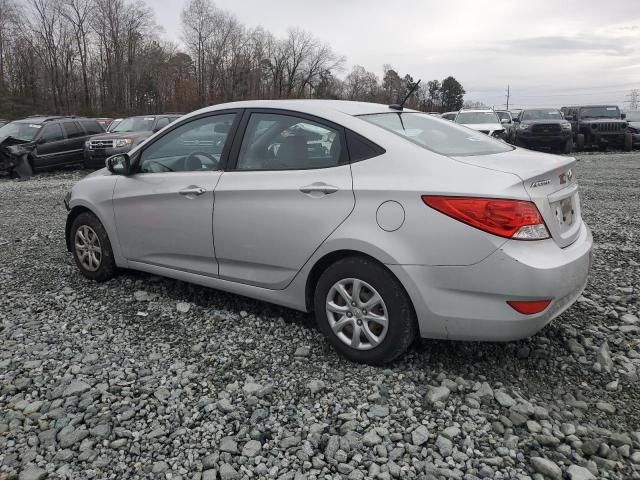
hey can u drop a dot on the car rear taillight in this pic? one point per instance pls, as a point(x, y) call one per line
point(517, 219)
point(529, 307)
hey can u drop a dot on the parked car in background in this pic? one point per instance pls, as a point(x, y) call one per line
point(515, 112)
point(104, 122)
point(507, 122)
point(633, 119)
point(38, 143)
point(128, 133)
point(543, 128)
point(469, 239)
point(482, 120)
point(449, 116)
point(599, 126)
point(115, 122)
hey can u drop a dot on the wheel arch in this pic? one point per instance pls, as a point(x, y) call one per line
point(71, 216)
point(330, 258)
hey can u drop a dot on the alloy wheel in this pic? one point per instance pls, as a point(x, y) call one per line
point(357, 314)
point(88, 248)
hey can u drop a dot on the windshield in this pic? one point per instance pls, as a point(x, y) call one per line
point(477, 117)
point(633, 116)
point(20, 130)
point(541, 115)
point(437, 135)
point(504, 115)
point(135, 124)
point(599, 112)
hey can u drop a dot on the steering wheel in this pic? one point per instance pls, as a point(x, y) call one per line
point(193, 156)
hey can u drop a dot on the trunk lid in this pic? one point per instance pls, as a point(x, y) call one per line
point(550, 182)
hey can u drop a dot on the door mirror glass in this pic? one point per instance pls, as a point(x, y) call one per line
point(623, 116)
point(505, 121)
point(118, 164)
point(516, 120)
point(568, 117)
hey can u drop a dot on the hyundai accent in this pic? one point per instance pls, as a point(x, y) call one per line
point(384, 222)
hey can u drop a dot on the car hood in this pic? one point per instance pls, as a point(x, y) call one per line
point(119, 135)
point(601, 120)
point(551, 121)
point(484, 126)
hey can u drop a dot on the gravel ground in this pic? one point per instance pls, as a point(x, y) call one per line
point(144, 377)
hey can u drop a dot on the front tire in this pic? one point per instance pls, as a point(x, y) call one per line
point(568, 146)
point(628, 142)
point(91, 248)
point(364, 311)
point(580, 142)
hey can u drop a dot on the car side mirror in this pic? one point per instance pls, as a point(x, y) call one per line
point(516, 120)
point(623, 116)
point(118, 164)
point(505, 121)
point(568, 117)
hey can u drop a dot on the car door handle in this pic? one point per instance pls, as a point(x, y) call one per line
point(319, 187)
point(193, 191)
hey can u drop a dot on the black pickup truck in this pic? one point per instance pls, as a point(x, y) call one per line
point(542, 128)
point(598, 126)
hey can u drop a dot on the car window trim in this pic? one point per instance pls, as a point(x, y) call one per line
point(242, 129)
point(135, 161)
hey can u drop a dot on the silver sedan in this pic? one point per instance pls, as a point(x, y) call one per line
point(386, 223)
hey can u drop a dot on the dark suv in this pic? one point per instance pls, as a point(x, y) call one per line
point(42, 142)
point(128, 133)
point(543, 128)
point(598, 126)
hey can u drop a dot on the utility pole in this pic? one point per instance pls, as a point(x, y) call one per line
point(634, 99)
point(508, 95)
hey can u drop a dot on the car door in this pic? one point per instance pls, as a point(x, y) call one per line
point(164, 209)
point(288, 188)
point(74, 145)
point(50, 146)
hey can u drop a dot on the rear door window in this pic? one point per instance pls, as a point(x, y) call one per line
point(286, 142)
point(92, 127)
point(73, 129)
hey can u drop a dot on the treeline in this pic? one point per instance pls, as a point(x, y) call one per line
point(109, 57)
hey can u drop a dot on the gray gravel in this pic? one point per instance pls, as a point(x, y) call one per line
point(144, 377)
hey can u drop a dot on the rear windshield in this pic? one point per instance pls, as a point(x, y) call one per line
point(468, 118)
point(542, 115)
point(20, 130)
point(135, 124)
point(437, 135)
point(599, 112)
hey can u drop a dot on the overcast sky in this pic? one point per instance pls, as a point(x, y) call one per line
point(551, 52)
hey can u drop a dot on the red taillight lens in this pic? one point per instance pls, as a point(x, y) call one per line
point(506, 218)
point(529, 307)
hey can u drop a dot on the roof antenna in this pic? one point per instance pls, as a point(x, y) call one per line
point(395, 106)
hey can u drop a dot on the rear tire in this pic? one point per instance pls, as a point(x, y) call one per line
point(580, 142)
point(357, 280)
point(91, 248)
point(628, 142)
point(568, 146)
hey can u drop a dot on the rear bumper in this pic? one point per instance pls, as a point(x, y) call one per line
point(469, 302)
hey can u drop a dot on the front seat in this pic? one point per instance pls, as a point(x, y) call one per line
point(292, 153)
